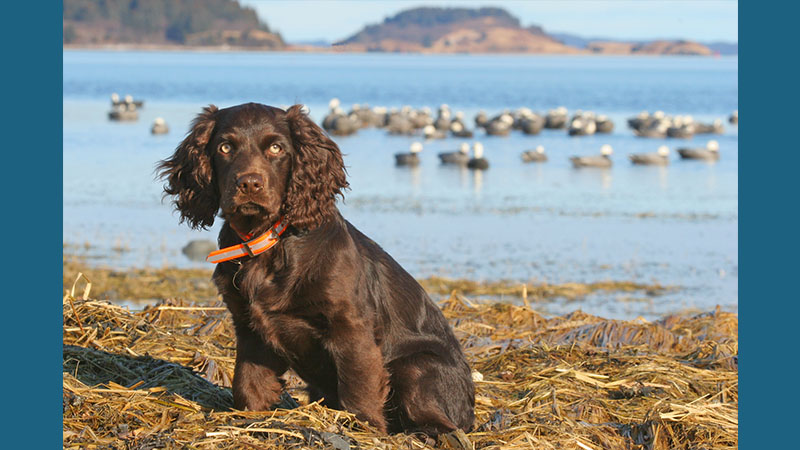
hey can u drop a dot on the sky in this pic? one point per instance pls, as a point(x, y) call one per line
point(699, 20)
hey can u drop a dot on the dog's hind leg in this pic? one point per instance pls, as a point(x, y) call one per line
point(429, 395)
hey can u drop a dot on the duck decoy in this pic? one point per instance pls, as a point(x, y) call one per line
point(431, 132)
point(477, 161)
point(529, 122)
point(556, 119)
point(442, 121)
point(159, 126)
point(411, 158)
point(457, 129)
point(604, 124)
point(682, 127)
point(461, 157)
point(481, 119)
point(714, 127)
point(535, 155)
point(709, 153)
point(659, 158)
point(334, 111)
point(601, 160)
point(500, 125)
point(582, 125)
point(399, 124)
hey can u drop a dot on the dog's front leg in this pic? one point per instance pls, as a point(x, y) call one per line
point(363, 381)
point(256, 383)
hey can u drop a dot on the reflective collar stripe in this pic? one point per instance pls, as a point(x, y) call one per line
point(256, 246)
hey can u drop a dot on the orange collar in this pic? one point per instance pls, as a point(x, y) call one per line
point(251, 247)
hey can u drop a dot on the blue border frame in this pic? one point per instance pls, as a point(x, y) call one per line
point(33, 184)
point(33, 116)
point(768, 230)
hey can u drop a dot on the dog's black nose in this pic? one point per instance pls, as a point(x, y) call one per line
point(250, 183)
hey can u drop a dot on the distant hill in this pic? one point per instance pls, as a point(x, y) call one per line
point(166, 22)
point(453, 30)
point(607, 45)
point(724, 48)
point(649, 48)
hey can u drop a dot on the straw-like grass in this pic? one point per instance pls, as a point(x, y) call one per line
point(154, 283)
point(160, 378)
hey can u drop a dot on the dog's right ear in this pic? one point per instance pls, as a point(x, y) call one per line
point(188, 174)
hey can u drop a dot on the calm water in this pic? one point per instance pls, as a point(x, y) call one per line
point(676, 225)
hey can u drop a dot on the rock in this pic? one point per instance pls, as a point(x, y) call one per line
point(198, 250)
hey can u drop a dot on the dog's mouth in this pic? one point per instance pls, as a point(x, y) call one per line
point(250, 209)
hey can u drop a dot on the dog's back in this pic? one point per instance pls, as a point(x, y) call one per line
point(430, 379)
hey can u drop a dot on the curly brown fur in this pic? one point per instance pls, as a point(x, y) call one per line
point(318, 174)
point(325, 301)
point(188, 174)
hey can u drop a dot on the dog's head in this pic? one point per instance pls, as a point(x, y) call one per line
point(255, 163)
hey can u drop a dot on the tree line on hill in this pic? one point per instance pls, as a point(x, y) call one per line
point(180, 22)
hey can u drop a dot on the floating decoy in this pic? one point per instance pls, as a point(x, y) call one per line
point(431, 132)
point(714, 127)
point(500, 125)
point(411, 158)
point(604, 124)
point(159, 126)
point(651, 126)
point(442, 121)
point(345, 125)
point(709, 153)
point(123, 110)
point(642, 120)
point(334, 111)
point(366, 116)
point(682, 127)
point(420, 118)
point(556, 119)
point(481, 119)
point(529, 122)
point(458, 130)
point(659, 158)
point(478, 161)
point(582, 125)
point(461, 157)
point(400, 124)
point(535, 155)
point(601, 160)
point(128, 100)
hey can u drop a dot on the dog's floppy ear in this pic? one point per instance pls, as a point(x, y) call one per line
point(188, 174)
point(318, 173)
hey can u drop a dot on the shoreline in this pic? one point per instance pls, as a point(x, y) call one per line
point(141, 288)
point(349, 51)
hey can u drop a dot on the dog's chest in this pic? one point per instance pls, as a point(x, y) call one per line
point(287, 323)
point(288, 333)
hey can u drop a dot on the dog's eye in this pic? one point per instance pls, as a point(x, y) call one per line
point(225, 147)
point(275, 149)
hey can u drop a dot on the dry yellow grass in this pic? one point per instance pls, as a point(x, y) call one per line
point(160, 378)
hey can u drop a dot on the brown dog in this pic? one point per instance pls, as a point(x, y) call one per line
point(325, 300)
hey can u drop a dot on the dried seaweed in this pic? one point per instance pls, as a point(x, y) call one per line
point(160, 378)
